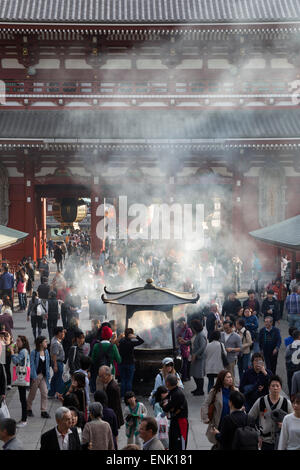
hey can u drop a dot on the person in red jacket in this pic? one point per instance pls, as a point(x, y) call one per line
point(280, 292)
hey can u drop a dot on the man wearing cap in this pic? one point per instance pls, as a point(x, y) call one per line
point(167, 369)
point(184, 335)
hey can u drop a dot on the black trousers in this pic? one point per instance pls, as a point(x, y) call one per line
point(51, 323)
point(7, 369)
point(36, 323)
point(267, 446)
point(23, 400)
point(177, 436)
point(271, 361)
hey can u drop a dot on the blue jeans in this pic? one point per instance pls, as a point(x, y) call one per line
point(22, 302)
point(57, 383)
point(294, 320)
point(211, 381)
point(126, 373)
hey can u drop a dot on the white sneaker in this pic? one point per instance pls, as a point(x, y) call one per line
point(22, 424)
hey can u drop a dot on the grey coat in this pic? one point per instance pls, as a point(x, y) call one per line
point(198, 366)
point(155, 444)
point(214, 363)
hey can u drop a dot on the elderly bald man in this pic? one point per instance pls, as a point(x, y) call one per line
point(112, 390)
point(63, 436)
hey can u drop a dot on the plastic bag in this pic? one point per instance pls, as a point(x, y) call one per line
point(162, 424)
point(4, 410)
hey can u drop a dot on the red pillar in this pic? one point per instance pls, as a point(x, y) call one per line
point(29, 209)
point(38, 232)
point(97, 245)
point(44, 227)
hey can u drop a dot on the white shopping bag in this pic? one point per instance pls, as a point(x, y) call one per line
point(4, 411)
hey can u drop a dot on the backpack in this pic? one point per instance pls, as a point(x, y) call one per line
point(245, 436)
point(262, 405)
point(39, 309)
point(104, 358)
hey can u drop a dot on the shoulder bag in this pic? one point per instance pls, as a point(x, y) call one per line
point(21, 374)
point(224, 357)
point(66, 376)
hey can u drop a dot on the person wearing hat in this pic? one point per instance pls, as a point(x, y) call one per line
point(167, 369)
point(104, 354)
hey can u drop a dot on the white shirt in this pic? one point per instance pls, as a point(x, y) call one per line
point(226, 336)
point(290, 433)
point(63, 441)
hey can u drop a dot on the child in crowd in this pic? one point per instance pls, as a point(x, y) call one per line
point(134, 412)
point(160, 416)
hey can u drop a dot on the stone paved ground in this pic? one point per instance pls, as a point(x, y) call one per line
point(30, 435)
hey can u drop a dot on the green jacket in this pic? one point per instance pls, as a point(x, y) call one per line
point(115, 356)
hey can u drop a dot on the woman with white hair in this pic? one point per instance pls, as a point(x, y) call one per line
point(97, 434)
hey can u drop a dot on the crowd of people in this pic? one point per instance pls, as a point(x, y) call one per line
point(92, 372)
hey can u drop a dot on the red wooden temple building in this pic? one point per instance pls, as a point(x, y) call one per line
point(163, 99)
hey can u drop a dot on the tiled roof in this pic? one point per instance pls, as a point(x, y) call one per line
point(285, 234)
point(149, 11)
point(150, 124)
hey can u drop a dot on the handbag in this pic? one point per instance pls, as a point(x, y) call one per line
point(211, 410)
point(21, 374)
point(4, 410)
point(224, 357)
point(66, 376)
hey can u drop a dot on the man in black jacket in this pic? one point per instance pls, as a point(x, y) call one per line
point(269, 340)
point(270, 307)
point(212, 320)
point(231, 306)
point(176, 405)
point(63, 436)
point(127, 366)
point(76, 351)
point(226, 436)
point(44, 289)
point(58, 256)
point(252, 302)
point(113, 393)
point(255, 381)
